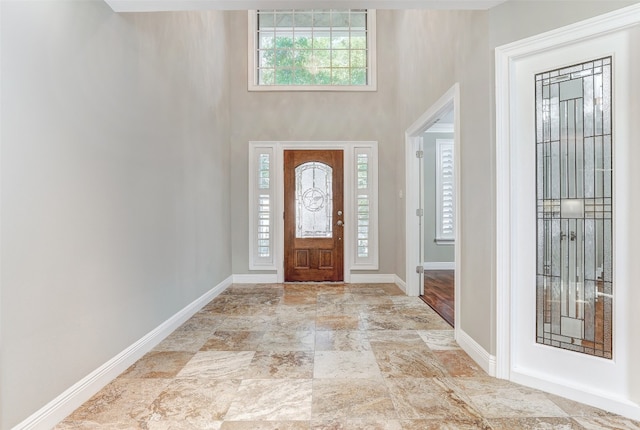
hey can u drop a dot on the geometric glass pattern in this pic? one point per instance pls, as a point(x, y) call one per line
point(574, 200)
point(312, 47)
point(314, 200)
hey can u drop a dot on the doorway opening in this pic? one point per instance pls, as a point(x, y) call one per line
point(432, 206)
point(438, 229)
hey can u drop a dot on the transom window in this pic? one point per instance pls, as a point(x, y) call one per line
point(324, 49)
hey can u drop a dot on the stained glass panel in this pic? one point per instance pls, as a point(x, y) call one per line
point(574, 208)
point(314, 200)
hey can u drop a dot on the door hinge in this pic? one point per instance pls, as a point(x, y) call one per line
point(419, 154)
point(419, 212)
point(420, 269)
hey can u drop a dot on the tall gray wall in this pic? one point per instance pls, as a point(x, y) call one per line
point(115, 185)
point(438, 49)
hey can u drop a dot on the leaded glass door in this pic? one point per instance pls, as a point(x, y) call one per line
point(575, 208)
point(313, 218)
point(555, 309)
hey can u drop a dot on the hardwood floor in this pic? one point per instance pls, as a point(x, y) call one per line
point(439, 293)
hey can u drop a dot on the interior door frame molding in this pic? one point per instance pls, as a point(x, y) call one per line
point(413, 140)
point(348, 148)
point(506, 58)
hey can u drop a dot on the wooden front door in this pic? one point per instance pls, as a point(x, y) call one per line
point(313, 216)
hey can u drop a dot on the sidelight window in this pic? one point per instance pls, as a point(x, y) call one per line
point(261, 196)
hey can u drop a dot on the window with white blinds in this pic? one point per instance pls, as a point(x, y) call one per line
point(445, 191)
point(365, 191)
point(261, 196)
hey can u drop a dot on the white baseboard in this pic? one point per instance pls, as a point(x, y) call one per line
point(439, 265)
point(263, 278)
point(67, 402)
point(485, 360)
point(617, 405)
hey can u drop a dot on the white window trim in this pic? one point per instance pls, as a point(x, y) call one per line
point(351, 263)
point(441, 237)
point(252, 75)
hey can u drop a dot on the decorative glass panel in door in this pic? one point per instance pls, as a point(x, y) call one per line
point(574, 208)
point(314, 200)
point(313, 215)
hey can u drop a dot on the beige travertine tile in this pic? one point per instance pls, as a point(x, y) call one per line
point(357, 425)
point(295, 298)
point(342, 340)
point(395, 340)
point(272, 400)
point(346, 364)
point(291, 357)
point(191, 402)
point(536, 423)
point(159, 364)
point(265, 425)
point(428, 398)
point(184, 340)
point(406, 363)
point(202, 321)
point(120, 404)
point(344, 399)
point(233, 340)
point(503, 399)
point(247, 323)
point(575, 409)
point(439, 340)
point(458, 363)
point(377, 321)
point(281, 365)
point(330, 309)
point(217, 365)
point(607, 422)
point(448, 424)
point(289, 340)
point(335, 298)
point(338, 322)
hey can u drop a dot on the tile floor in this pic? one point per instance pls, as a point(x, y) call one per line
point(289, 357)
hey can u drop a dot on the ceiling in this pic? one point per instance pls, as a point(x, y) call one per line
point(176, 5)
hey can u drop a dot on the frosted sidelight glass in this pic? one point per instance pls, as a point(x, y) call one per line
point(314, 200)
point(574, 146)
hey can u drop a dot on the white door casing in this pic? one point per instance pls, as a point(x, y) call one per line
point(610, 384)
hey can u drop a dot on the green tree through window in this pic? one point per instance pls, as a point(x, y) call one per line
point(312, 47)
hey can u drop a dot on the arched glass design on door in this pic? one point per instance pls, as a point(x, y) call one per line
point(314, 200)
point(575, 207)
